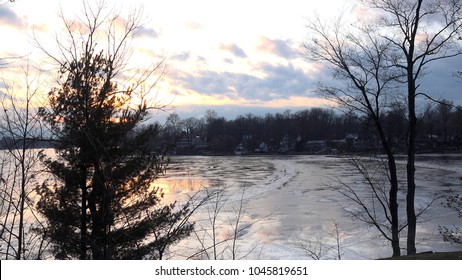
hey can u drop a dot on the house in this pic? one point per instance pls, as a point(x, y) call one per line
point(263, 148)
point(191, 142)
point(285, 144)
point(317, 147)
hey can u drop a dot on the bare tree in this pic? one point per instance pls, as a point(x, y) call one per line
point(419, 32)
point(372, 201)
point(190, 126)
point(359, 57)
point(21, 129)
point(371, 196)
point(167, 233)
point(396, 50)
point(322, 248)
point(102, 29)
point(454, 234)
point(219, 235)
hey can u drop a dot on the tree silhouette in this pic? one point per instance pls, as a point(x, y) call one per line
point(101, 202)
point(395, 49)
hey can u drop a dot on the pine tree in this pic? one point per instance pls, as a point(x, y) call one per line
point(101, 202)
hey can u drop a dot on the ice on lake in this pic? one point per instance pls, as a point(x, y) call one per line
point(289, 210)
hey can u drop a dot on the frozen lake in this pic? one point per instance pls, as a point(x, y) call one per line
point(289, 209)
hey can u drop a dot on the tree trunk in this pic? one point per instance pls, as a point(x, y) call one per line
point(99, 209)
point(22, 200)
point(96, 226)
point(394, 205)
point(83, 216)
point(393, 190)
point(412, 126)
point(410, 168)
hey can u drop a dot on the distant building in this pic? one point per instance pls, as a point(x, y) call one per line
point(240, 150)
point(183, 143)
point(350, 141)
point(285, 144)
point(244, 145)
point(317, 147)
point(263, 148)
point(189, 142)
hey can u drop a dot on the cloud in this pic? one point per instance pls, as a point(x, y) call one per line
point(234, 49)
point(184, 56)
point(205, 82)
point(286, 80)
point(438, 80)
point(148, 32)
point(277, 82)
point(9, 17)
point(277, 47)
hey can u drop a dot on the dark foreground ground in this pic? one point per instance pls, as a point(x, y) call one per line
point(432, 256)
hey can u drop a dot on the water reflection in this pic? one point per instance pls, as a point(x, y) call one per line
point(287, 200)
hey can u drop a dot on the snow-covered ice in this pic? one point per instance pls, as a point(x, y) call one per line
point(289, 207)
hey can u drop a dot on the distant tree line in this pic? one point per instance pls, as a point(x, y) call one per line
point(439, 129)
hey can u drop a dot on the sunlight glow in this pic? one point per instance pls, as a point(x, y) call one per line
point(257, 40)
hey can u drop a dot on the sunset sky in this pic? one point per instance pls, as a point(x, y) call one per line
point(234, 57)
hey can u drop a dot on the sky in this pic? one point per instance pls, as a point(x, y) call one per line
point(234, 57)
